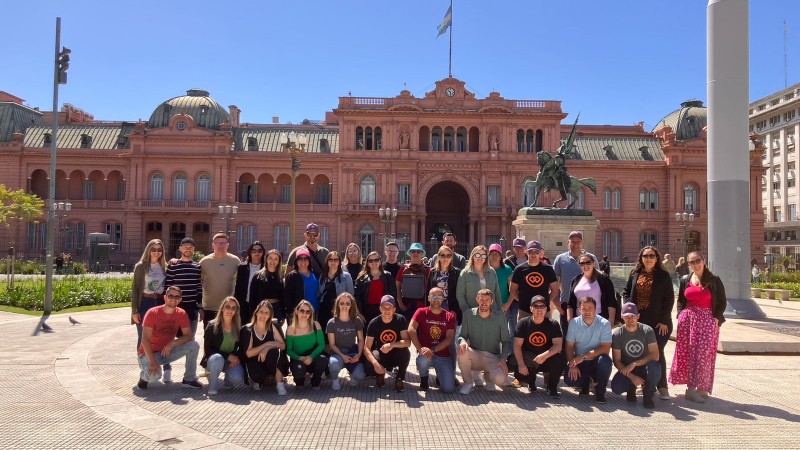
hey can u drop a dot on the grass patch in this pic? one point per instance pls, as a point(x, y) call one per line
point(68, 293)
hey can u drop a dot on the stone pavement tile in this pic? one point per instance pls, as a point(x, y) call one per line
point(194, 441)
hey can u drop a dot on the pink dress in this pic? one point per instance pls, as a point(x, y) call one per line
point(696, 341)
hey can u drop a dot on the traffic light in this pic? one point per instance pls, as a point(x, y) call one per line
point(63, 65)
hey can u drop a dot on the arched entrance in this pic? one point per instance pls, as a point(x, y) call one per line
point(447, 209)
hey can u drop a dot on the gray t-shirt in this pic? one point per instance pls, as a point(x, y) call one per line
point(633, 345)
point(345, 333)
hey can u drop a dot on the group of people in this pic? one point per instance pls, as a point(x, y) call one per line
point(485, 315)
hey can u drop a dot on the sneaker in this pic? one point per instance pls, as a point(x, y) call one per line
point(532, 388)
point(281, 388)
point(336, 385)
point(631, 397)
point(399, 386)
point(380, 380)
point(465, 389)
point(693, 396)
point(517, 384)
point(166, 377)
point(141, 385)
point(584, 389)
point(194, 384)
point(601, 398)
point(423, 383)
point(314, 388)
point(663, 394)
point(490, 387)
point(227, 386)
point(477, 378)
point(647, 402)
point(212, 391)
point(554, 395)
point(256, 386)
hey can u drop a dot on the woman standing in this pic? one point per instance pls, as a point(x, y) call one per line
point(444, 276)
point(371, 285)
point(593, 283)
point(245, 273)
point(332, 283)
point(346, 338)
point(353, 259)
point(268, 285)
point(148, 285)
point(300, 284)
point(263, 349)
point(221, 347)
point(650, 288)
point(701, 308)
point(476, 276)
point(510, 309)
point(304, 345)
point(682, 268)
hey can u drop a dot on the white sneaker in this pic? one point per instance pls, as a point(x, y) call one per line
point(335, 385)
point(256, 386)
point(663, 394)
point(490, 387)
point(212, 392)
point(478, 378)
point(166, 377)
point(465, 389)
point(281, 388)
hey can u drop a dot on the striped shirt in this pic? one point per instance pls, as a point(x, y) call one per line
point(186, 275)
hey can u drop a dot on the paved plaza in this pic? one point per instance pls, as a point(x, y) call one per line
point(74, 388)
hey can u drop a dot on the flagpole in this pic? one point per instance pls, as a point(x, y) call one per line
point(450, 65)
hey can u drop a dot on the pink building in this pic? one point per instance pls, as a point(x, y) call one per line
point(446, 161)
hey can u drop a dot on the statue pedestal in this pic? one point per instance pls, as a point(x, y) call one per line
point(551, 227)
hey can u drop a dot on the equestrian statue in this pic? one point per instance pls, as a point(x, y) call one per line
point(553, 174)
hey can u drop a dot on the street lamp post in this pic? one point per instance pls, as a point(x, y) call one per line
point(294, 144)
point(387, 216)
point(61, 210)
point(683, 220)
point(227, 212)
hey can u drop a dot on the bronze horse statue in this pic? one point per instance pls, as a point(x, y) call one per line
point(553, 174)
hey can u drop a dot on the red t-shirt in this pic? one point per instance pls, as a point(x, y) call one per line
point(433, 328)
point(165, 326)
point(376, 290)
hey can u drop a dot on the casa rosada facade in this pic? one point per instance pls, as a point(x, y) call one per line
point(446, 162)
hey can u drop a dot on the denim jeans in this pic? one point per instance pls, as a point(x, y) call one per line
point(218, 364)
point(511, 317)
point(190, 350)
point(444, 371)
point(598, 368)
point(650, 372)
point(145, 304)
point(335, 365)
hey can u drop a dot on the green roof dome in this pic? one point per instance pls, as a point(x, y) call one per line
point(207, 113)
point(686, 122)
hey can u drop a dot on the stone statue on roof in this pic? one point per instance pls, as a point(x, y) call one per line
point(553, 174)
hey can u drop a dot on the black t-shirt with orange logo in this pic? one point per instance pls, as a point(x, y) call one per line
point(537, 338)
point(384, 333)
point(533, 280)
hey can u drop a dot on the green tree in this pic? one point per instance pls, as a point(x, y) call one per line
point(17, 206)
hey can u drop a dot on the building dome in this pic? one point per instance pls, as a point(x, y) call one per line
point(686, 122)
point(207, 113)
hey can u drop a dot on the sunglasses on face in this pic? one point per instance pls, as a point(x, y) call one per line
point(437, 297)
point(352, 252)
point(312, 234)
point(695, 261)
point(154, 250)
point(304, 311)
point(173, 296)
point(480, 255)
point(585, 263)
point(649, 256)
point(415, 251)
point(230, 307)
point(445, 255)
point(334, 260)
point(344, 303)
point(539, 307)
point(257, 250)
point(303, 260)
point(221, 244)
point(374, 260)
point(392, 252)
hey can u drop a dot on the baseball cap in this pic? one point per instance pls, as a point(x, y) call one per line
point(387, 299)
point(312, 227)
point(576, 234)
point(302, 252)
point(188, 241)
point(538, 299)
point(519, 242)
point(534, 245)
point(629, 309)
point(496, 248)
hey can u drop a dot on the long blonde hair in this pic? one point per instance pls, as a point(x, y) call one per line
point(145, 260)
point(296, 316)
point(438, 265)
point(237, 321)
point(472, 257)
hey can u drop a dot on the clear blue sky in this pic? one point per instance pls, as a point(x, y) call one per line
point(616, 62)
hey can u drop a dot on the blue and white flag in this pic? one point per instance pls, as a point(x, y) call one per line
point(446, 22)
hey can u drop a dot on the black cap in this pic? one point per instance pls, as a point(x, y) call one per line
point(188, 241)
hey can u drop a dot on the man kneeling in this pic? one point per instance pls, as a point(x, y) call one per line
point(537, 348)
point(432, 331)
point(159, 345)
point(588, 343)
point(635, 353)
point(484, 344)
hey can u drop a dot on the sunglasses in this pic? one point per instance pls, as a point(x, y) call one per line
point(312, 234)
point(304, 311)
point(344, 303)
point(230, 307)
point(445, 255)
point(303, 259)
point(392, 251)
point(374, 260)
point(154, 250)
point(437, 297)
point(480, 255)
point(352, 252)
point(221, 244)
point(173, 296)
point(649, 256)
point(257, 250)
point(539, 307)
point(695, 261)
point(415, 251)
point(585, 263)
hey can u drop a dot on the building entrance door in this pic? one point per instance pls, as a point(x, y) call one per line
point(447, 209)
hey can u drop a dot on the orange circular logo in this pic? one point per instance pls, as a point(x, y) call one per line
point(534, 279)
point(436, 333)
point(537, 339)
point(388, 336)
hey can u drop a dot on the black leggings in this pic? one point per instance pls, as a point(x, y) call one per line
point(316, 368)
point(553, 365)
point(399, 357)
point(264, 372)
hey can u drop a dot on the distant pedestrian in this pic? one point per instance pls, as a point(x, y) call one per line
point(756, 273)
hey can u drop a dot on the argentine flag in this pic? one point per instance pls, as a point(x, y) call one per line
point(446, 22)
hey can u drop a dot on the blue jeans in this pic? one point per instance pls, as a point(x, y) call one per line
point(511, 317)
point(598, 368)
point(650, 372)
point(217, 364)
point(335, 365)
point(190, 350)
point(444, 371)
point(145, 304)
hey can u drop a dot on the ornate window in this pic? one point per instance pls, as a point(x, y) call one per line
point(157, 187)
point(690, 198)
point(367, 238)
point(179, 187)
point(203, 188)
point(367, 191)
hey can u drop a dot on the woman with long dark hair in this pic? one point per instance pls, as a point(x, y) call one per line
point(221, 347)
point(147, 291)
point(346, 338)
point(593, 283)
point(245, 273)
point(650, 288)
point(332, 283)
point(701, 308)
point(263, 350)
point(371, 285)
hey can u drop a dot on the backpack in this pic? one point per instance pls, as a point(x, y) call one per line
point(414, 284)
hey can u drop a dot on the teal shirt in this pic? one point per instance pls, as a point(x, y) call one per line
point(503, 274)
point(488, 335)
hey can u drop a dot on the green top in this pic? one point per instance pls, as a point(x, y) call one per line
point(311, 344)
point(488, 335)
point(503, 274)
point(228, 343)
